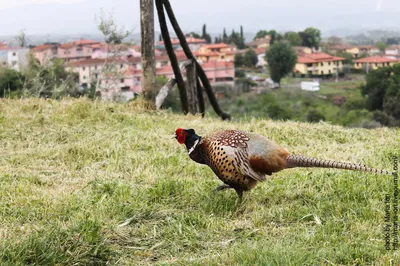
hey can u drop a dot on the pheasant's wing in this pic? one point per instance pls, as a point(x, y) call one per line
point(234, 145)
point(240, 158)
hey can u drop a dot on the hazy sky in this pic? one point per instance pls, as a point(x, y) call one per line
point(77, 16)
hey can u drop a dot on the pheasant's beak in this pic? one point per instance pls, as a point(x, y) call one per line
point(174, 136)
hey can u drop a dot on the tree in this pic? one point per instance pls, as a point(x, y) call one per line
point(205, 35)
point(334, 40)
point(113, 37)
point(50, 80)
point(375, 88)
point(224, 37)
point(381, 46)
point(261, 34)
point(10, 81)
point(147, 46)
point(21, 39)
point(250, 58)
point(293, 38)
point(314, 36)
point(392, 41)
point(239, 60)
point(241, 44)
point(382, 92)
point(275, 36)
point(347, 56)
point(194, 34)
point(281, 60)
point(305, 37)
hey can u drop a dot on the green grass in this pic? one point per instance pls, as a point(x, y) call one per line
point(92, 183)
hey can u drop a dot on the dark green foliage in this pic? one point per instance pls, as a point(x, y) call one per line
point(293, 38)
point(381, 46)
point(314, 37)
point(391, 106)
point(50, 80)
point(250, 58)
point(205, 35)
point(315, 116)
point(281, 60)
point(382, 91)
point(392, 41)
point(239, 60)
point(10, 81)
point(305, 37)
point(277, 112)
point(354, 104)
point(347, 56)
point(376, 86)
point(240, 73)
point(261, 34)
point(224, 37)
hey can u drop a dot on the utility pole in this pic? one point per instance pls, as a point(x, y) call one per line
point(147, 48)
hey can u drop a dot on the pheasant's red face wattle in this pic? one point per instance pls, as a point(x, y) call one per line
point(180, 135)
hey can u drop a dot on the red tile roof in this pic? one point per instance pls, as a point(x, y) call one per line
point(375, 59)
point(41, 48)
point(79, 42)
point(217, 45)
point(189, 40)
point(317, 57)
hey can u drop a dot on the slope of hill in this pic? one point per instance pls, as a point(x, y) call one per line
point(86, 183)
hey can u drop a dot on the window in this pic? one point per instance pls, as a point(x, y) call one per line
point(14, 54)
point(329, 63)
point(322, 72)
point(322, 64)
point(95, 67)
point(83, 68)
point(122, 80)
point(330, 72)
point(376, 64)
point(121, 66)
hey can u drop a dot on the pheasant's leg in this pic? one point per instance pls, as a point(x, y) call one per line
point(240, 194)
point(222, 187)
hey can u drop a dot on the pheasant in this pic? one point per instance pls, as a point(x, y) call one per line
point(241, 159)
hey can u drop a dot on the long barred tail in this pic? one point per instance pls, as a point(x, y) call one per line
point(303, 161)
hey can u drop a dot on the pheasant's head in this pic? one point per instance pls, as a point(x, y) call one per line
point(183, 134)
point(187, 137)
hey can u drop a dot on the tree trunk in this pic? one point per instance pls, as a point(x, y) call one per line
point(191, 77)
point(147, 48)
point(172, 56)
point(200, 72)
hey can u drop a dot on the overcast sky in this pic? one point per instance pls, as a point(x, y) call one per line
point(77, 16)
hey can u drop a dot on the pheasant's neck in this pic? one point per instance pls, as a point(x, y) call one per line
point(191, 142)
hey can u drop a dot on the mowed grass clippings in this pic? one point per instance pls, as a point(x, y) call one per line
point(94, 183)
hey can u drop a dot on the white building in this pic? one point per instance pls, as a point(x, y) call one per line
point(14, 58)
point(393, 52)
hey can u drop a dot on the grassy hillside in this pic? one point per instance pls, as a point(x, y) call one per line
point(90, 183)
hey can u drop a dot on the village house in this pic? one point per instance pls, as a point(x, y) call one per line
point(302, 50)
point(355, 50)
point(393, 52)
point(126, 81)
point(3, 45)
point(78, 50)
point(318, 64)
point(260, 43)
point(193, 43)
point(374, 62)
point(14, 58)
point(216, 52)
point(45, 52)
